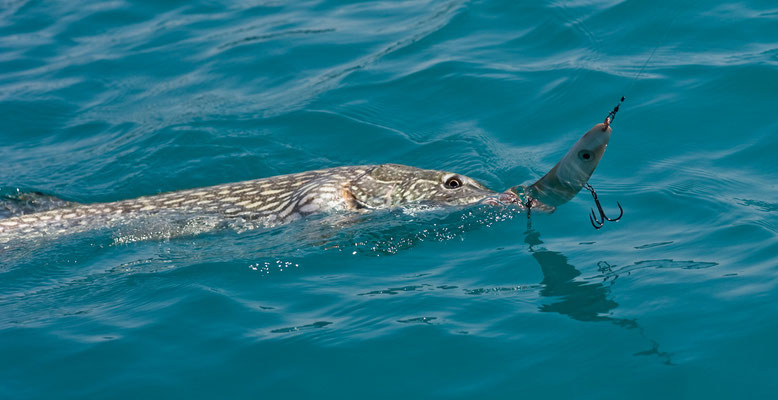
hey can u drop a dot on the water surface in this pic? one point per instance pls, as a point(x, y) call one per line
point(102, 101)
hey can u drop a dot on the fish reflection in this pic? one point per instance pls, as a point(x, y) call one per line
point(581, 300)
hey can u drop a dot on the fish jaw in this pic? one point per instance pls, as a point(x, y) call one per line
point(506, 198)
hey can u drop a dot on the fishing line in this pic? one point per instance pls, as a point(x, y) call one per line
point(612, 114)
point(598, 223)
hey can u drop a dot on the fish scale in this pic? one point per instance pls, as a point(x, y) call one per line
point(247, 199)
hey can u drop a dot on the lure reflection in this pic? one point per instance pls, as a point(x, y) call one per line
point(587, 300)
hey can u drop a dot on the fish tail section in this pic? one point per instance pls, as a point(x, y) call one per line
point(15, 203)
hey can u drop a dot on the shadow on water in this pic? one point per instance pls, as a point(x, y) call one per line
point(581, 300)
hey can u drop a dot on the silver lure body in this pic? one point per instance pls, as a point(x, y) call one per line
point(269, 201)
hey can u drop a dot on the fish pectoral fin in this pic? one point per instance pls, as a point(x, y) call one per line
point(350, 200)
point(18, 203)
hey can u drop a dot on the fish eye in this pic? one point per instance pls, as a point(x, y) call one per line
point(453, 183)
point(585, 155)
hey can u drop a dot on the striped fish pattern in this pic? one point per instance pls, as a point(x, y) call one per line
point(269, 201)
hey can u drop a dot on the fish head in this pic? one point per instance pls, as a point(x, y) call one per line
point(391, 185)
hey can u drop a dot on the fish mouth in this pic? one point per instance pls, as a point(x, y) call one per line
point(519, 196)
point(505, 198)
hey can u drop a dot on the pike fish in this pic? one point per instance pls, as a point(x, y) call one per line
point(282, 199)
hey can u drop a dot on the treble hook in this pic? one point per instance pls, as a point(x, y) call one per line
point(597, 223)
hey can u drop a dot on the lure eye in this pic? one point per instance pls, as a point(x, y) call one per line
point(586, 155)
point(453, 183)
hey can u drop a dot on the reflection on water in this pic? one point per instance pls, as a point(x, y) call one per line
point(581, 300)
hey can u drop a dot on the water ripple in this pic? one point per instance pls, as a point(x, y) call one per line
point(103, 101)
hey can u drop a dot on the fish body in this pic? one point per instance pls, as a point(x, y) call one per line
point(270, 201)
point(282, 199)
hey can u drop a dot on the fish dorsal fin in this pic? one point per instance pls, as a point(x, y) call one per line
point(16, 203)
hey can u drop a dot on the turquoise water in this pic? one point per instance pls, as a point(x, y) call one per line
point(101, 101)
